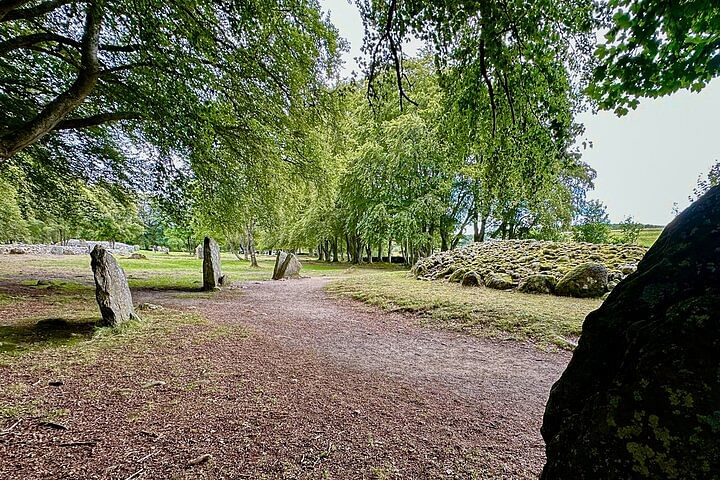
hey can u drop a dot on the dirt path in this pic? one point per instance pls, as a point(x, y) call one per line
point(319, 388)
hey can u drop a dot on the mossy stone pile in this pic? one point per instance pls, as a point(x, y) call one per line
point(537, 266)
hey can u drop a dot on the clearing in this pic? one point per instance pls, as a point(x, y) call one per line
point(264, 379)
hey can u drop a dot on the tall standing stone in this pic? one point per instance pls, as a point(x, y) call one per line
point(111, 288)
point(641, 395)
point(212, 275)
point(286, 266)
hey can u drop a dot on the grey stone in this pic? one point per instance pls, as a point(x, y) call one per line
point(286, 266)
point(538, 283)
point(56, 250)
point(212, 275)
point(199, 252)
point(498, 281)
point(589, 280)
point(471, 279)
point(111, 288)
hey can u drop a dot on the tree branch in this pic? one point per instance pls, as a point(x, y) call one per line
point(7, 6)
point(94, 120)
point(46, 120)
point(13, 13)
point(23, 41)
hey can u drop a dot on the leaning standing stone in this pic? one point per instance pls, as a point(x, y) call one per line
point(111, 288)
point(212, 276)
point(286, 266)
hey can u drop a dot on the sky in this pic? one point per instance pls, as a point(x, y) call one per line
point(645, 161)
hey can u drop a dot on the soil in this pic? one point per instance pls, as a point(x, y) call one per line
point(317, 388)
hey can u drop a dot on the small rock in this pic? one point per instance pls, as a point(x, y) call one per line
point(56, 383)
point(153, 383)
point(201, 459)
point(150, 306)
point(138, 256)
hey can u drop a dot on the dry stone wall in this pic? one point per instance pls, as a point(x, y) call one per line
point(71, 247)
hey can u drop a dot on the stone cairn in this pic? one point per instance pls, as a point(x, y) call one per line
point(212, 275)
point(287, 265)
point(561, 268)
point(111, 288)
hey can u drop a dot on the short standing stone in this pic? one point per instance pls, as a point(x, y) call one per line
point(212, 275)
point(199, 252)
point(111, 288)
point(589, 280)
point(286, 266)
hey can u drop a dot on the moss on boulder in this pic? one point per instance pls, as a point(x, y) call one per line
point(521, 259)
point(589, 280)
point(499, 281)
point(640, 398)
point(539, 283)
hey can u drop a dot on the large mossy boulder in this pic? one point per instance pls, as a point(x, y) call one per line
point(589, 280)
point(641, 395)
point(539, 283)
point(498, 281)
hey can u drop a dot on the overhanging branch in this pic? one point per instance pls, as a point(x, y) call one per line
point(94, 120)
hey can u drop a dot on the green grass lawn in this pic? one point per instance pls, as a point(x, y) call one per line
point(161, 271)
point(646, 238)
point(545, 320)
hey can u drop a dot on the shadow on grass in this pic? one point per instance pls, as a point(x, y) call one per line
point(45, 333)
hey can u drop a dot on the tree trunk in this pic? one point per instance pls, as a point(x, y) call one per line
point(335, 250)
point(483, 228)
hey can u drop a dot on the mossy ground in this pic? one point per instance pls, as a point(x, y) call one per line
point(545, 320)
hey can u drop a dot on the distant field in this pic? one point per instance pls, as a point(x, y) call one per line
point(647, 235)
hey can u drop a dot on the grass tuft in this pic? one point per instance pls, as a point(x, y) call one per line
point(545, 320)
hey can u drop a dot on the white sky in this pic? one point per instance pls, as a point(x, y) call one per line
point(645, 161)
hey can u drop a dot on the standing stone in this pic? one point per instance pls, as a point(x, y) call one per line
point(199, 252)
point(641, 395)
point(111, 288)
point(212, 276)
point(286, 266)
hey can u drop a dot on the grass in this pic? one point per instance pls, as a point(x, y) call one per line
point(177, 271)
point(545, 320)
point(646, 238)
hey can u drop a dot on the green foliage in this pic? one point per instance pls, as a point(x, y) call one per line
point(13, 226)
point(704, 184)
point(654, 48)
point(593, 224)
point(629, 232)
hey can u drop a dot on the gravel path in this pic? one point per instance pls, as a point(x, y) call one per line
point(319, 388)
